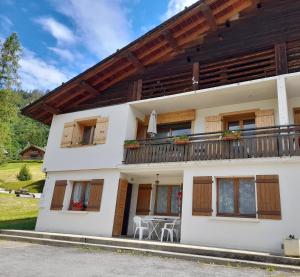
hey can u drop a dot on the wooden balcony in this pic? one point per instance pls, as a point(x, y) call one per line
point(277, 141)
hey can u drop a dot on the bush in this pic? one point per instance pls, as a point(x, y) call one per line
point(24, 173)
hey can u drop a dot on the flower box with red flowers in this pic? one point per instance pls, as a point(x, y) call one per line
point(77, 206)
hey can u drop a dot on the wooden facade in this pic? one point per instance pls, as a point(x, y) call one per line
point(32, 152)
point(211, 43)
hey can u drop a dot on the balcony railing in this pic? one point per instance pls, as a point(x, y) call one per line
point(277, 141)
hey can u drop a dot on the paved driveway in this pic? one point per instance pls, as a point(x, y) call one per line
point(23, 259)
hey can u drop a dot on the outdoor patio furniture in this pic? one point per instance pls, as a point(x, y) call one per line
point(171, 229)
point(140, 226)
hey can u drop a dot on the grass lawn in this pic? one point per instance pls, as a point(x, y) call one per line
point(18, 213)
point(8, 178)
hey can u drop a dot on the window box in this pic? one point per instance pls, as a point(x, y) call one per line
point(181, 140)
point(131, 144)
point(231, 135)
point(292, 247)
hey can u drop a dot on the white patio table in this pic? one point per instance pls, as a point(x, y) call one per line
point(156, 223)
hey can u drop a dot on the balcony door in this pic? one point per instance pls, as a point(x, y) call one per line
point(238, 122)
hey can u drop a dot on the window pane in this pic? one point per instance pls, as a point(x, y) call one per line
point(226, 196)
point(249, 124)
point(174, 200)
point(162, 199)
point(86, 134)
point(77, 192)
point(247, 196)
point(234, 125)
point(87, 194)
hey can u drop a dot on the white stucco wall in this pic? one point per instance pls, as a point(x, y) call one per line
point(251, 234)
point(89, 223)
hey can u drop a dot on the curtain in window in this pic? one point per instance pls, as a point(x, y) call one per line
point(87, 194)
point(226, 196)
point(174, 200)
point(162, 199)
point(247, 196)
point(77, 192)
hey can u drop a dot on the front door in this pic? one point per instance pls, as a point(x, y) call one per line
point(120, 207)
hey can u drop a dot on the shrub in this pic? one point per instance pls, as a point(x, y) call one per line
point(24, 173)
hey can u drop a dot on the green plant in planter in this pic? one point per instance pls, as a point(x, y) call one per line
point(230, 135)
point(131, 144)
point(184, 139)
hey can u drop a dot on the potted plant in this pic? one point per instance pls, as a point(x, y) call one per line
point(231, 135)
point(77, 206)
point(181, 140)
point(131, 144)
point(292, 246)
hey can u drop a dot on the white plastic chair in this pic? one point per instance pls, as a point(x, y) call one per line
point(171, 229)
point(138, 222)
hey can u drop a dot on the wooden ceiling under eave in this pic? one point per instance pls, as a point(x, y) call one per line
point(162, 43)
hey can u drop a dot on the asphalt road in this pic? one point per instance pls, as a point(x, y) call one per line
point(24, 259)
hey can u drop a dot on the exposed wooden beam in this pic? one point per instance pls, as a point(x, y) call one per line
point(89, 88)
point(209, 16)
point(171, 40)
point(51, 109)
point(135, 61)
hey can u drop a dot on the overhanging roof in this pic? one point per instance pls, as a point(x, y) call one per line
point(185, 29)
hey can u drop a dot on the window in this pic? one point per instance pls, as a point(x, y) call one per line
point(178, 129)
point(167, 200)
point(88, 134)
point(238, 122)
point(80, 196)
point(236, 197)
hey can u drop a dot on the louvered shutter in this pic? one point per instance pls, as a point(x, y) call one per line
point(67, 134)
point(213, 124)
point(143, 200)
point(58, 195)
point(202, 196)
point(101, 130)
point(264, 118)
point(268, 197)
point(95, 195)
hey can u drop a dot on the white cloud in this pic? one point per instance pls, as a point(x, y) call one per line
point(176, 6)
point(65, 54)
point(59, 31)
point(5, 24)
point(102, 26)
point(36, 73)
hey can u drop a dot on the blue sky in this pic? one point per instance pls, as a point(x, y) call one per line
point(61, 38)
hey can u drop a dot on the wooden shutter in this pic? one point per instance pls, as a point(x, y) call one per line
point(213, 124)
point(143, 200)
point(297, 117)
point(120, 207)
point(264, 118)
point(67, 134)
point(77, 134)
point(268, 197)
point(58, 195)
point(202, 196)
point(95, 195)
point(101, 130)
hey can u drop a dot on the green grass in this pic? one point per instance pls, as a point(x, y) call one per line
point(9, 171)
point(18, 213)
point(31, 186)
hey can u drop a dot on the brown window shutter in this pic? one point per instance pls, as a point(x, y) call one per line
point(58, 195)
point(67, 134)
point(95, 195)
point(264, 118)
point(143, 200)
point(268, 197)
point(101, 130)
point(213, 124)
point(202, 196)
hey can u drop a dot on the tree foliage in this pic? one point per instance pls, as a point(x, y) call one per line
point(24, 174)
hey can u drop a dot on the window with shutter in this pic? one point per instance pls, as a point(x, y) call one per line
point(264, 118)
point(297, 116)
point(143, 200)
point(268, 197)
point(202, 196)
point(58, 195)
point(67, 134)
point(213, 124)
point(101, 130)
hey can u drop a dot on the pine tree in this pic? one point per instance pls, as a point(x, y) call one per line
point(10, 54)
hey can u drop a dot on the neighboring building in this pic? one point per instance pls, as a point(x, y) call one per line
point(32, 152)
point(218, 65)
